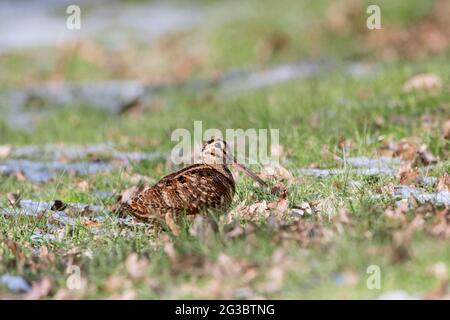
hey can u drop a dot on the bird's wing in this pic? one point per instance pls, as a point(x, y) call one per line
point(191, 189)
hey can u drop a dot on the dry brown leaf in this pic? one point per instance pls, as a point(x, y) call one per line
point(407, 174)
point(39, 290)
point(423, 81)
point(5, 151)
point(91, 223)
point(255, 210)
point(301, 209)
point(406, 150)
point(171, 223)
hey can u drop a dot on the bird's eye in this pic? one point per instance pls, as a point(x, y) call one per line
point(218, 145)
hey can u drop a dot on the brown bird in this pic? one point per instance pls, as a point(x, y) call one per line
point(199, 187)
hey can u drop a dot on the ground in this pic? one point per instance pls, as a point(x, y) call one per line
point(335, 226)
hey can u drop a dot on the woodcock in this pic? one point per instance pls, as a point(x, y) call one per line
point(199, 187)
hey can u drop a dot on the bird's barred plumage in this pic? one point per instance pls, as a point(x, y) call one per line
point(191, 190)
point(202, 186)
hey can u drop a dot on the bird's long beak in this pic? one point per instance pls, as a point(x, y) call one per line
point(248, 172)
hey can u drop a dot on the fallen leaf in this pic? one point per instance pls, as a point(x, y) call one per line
point(301, 209)
point(253, 209)
point(423, 81)
point(91, 223)
point(407, 174)
point(264, 208)
point(406, 150)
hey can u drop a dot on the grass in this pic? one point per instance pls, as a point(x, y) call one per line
point(262, 263)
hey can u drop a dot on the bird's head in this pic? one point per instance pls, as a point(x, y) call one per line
point(217, 152)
